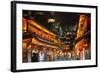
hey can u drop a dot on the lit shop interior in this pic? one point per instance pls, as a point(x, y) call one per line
point(55, 36)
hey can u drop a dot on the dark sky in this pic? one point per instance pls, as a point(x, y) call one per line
point(64, 18)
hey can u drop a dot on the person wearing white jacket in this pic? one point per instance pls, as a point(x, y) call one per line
point(41, 56)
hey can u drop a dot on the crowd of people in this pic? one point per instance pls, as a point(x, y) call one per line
point(44, 54)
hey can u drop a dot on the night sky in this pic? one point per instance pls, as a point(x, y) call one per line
point(65, 19)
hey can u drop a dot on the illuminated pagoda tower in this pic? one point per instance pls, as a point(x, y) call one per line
point(83, 38)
